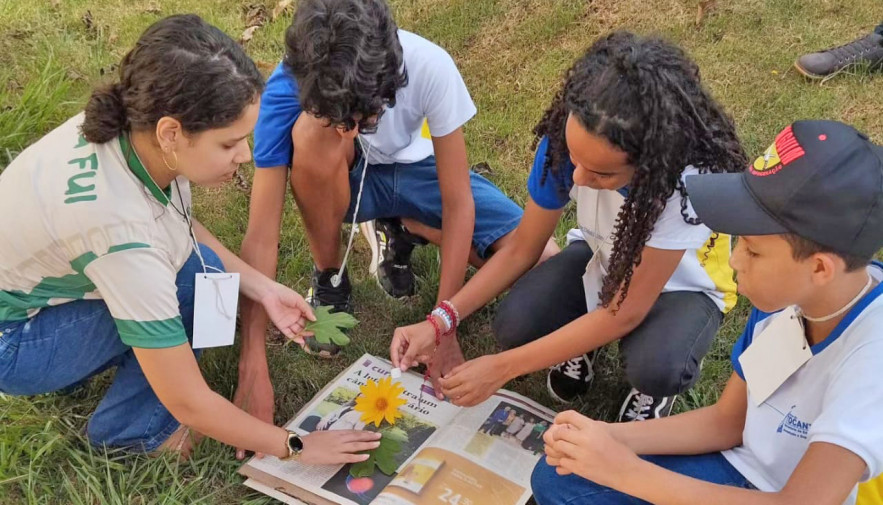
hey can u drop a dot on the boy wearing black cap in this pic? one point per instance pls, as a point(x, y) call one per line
point(800, 419)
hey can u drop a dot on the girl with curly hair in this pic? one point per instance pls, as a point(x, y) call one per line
point(630, 122)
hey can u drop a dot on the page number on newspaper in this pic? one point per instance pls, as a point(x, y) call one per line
point(449, 497)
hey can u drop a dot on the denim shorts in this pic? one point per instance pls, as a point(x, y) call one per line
point(411, 190)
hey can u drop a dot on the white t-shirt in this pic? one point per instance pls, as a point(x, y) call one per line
point(79, 222)
point(701, 269)
point(836, 397)
point(435, 93)
point(435, 102)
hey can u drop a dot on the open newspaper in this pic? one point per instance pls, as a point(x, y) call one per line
point(454, 456)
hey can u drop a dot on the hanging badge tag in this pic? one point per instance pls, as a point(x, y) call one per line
point(779, 351)
point(214, 314)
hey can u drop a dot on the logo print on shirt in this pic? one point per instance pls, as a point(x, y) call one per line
point(792, 425)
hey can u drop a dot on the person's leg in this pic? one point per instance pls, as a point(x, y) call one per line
point(549, 488)
point(496, 216)
point(662, 356)
point(322, 194)
point(544, 299)
point(434, 236)
point(130, 415)
point(62, 345)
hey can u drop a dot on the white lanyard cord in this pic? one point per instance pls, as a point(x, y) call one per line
point(337, 278)
point(845, 307)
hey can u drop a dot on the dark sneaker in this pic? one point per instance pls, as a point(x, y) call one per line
point(641, 407)
point(323, 292)
point(567, 381)
point(867, 50)
point(391, 247)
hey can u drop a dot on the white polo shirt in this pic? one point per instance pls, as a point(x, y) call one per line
point(83, 221)
point(836, 397)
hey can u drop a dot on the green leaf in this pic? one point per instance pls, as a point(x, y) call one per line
point(385, 456)
point(396, 434)
point(326, 328)
point(363, 469)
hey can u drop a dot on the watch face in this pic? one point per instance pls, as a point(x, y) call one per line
point(295, 443)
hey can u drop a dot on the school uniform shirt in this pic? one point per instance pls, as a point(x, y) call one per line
point(434, 103)
point(84, 221)
point(835, 397)
point(703, 268)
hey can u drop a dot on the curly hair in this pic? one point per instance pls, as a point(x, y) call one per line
point(181, 67)
point(347, 59)
point(644, 96)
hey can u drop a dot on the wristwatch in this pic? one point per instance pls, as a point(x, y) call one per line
point(295, 446)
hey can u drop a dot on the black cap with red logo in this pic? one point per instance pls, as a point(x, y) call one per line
point(821, 180)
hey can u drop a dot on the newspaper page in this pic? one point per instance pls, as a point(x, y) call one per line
point(486, 455)
point(332, 409)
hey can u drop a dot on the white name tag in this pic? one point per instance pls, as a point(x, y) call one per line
point(214, 314)
point(774, 355)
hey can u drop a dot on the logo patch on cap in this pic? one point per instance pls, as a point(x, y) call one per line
point(783, 151)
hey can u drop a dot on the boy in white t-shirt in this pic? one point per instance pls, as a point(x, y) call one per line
point(380, 141)
point(799, 420)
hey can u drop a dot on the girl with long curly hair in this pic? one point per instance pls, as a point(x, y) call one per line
point(630, 122)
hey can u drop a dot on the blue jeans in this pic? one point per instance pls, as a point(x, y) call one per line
point(411, 190)
point(549, 488)
point(64, 345)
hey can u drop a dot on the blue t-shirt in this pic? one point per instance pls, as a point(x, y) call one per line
point(280, 108)
point(554, 192)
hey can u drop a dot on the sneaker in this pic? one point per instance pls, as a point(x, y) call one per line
point(391, 247)
point(641, 407)
point(867, 50)
point(566, 381)
point(323, 292)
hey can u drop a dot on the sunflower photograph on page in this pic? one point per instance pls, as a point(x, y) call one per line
point(379, 403)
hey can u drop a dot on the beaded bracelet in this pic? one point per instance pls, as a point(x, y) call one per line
point(438, 332)
point(444, 316)
point(452, 311)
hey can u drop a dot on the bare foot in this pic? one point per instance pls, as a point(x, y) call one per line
point(182, 442)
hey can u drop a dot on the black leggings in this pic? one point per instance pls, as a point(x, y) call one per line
point(661, 356)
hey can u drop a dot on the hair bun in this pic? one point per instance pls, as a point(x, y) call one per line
point(105, 114)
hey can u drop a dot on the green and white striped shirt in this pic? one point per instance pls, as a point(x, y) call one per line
point(84, 221)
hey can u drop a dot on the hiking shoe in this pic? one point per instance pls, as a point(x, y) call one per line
point(391, 247)
point(566, 381)
point(641, 407)
point(323, 292)
point(867, 50)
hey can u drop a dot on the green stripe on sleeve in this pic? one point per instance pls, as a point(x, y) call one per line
point(152, 334)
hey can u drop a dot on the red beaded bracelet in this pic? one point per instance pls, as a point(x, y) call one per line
point(449, 308)
point(438, 331)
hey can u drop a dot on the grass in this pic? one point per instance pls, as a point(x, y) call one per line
point(511, 54)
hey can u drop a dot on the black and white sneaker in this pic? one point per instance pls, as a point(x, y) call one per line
point(391, 247)
point(641, 407)
point(567, 381)
point(323, 292)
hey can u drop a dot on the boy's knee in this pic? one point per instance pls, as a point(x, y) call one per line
point(542, 482)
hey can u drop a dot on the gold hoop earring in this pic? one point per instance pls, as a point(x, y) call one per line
point(167, 163)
